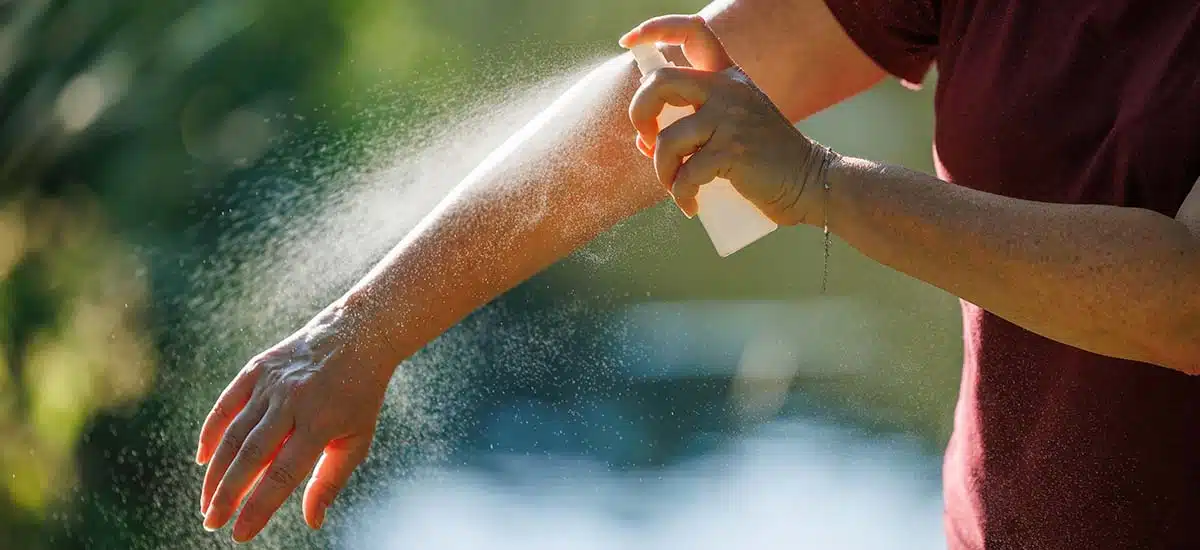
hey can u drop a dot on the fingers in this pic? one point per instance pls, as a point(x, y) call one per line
point(677, 86)
point(256, 452)
point(706, 165)
point(678, 142)
point(228, 405)
point(333, 471)
point(641, 146)
point(282, 477)
point(230, 444)
point(700, 44)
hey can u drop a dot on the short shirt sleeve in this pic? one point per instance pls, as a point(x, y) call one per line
point(899, 35)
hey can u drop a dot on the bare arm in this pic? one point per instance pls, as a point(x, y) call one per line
point(1116, 281)
point(795, 51)
point(509, 222)
point(511, 218)
point(311, 402)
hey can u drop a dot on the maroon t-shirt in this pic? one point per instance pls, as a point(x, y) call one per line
point(1065, 101)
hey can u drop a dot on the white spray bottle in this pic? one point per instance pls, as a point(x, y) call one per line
point(732, 222)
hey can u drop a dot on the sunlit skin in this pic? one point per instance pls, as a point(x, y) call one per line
point(298, 415)
point(1088, 263)
point(725, 135)
point(1112, 280)
point(469, 252)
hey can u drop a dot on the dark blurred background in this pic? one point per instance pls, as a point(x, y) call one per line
point(159, 161)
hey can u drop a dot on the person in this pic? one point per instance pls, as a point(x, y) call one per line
point(1064, 214)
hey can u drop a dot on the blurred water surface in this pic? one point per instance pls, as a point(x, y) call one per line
point(793, 483)
point(665, 436)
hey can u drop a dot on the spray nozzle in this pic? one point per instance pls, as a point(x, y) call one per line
point(649, 58)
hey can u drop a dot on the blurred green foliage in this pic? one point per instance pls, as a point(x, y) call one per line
point(111, 141)
point(128, 123)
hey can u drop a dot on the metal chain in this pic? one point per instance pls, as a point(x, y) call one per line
point(829, 157)
point(825, 272)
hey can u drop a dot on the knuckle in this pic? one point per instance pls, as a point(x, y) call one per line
point(254, 368)
point(681, 139)
point(282, 475)
point(270, 378)
point(252, 451)
point(640, 112)
point(661, 78)
point(232, 441)
point(327, 492)
point(654, 79)
point(220, 413)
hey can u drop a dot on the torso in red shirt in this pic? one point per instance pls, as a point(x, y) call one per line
point(1068, 101)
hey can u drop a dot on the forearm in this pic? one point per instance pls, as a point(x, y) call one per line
point(545, 193)
point(1115, 281)
point(569, 175)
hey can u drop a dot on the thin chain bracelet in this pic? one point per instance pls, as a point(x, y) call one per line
point(826, 161)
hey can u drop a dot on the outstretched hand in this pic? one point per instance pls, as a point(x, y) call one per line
point(736, 133)
point(307, 404)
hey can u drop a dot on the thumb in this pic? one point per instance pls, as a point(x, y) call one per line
point(691, 32)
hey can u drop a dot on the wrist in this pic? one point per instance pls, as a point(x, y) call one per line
point(814, 185)
point(367, 334)
point(845, 176)
point(834, 176)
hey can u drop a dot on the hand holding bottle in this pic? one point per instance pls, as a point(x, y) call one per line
point(736, 132)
